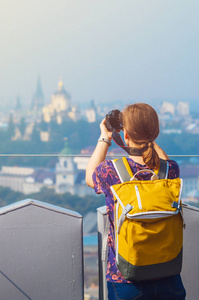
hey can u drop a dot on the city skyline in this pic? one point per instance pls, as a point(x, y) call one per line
point(103, 50)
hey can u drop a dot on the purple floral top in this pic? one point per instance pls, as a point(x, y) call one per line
point(105, 176)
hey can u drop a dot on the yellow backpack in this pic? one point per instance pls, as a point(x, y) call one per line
point(148, 223)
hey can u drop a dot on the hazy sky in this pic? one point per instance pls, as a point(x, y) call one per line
point(134, 50)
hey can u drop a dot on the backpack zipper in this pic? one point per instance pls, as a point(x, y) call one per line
point(138, 197)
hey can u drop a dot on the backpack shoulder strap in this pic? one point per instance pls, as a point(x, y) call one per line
point(164, 169)
point(123, 169)
point(125, 173)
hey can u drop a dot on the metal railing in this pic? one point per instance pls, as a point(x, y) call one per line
point(81, 155)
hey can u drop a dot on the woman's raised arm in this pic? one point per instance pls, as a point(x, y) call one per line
point(99, 153)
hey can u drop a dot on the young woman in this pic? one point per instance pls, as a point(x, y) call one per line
point(141, 128)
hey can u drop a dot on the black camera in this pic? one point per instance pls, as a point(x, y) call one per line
point(114, 120)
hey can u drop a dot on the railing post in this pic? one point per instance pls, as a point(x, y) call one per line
point(190, 264)
point(102, 222)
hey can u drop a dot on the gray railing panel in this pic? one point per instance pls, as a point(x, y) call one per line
point(190, 271)
point(41, 252)
point(102, 222)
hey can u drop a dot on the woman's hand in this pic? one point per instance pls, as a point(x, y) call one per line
point(104, 131)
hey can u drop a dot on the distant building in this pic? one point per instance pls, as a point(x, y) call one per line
point(183, 108)
point(74, 113)
point(18, 104)
point(44, 136)
point(66, 174)
point(167, 108)
point(70, 176)
point(38, 98)
point(17, 135)
point(67, 177)
point(14, 177)
point(42, 177)
point(26, 180)
point(81, 162)
point(28, 131)
point(60, 99)
point(91, 113)
point(59, 107)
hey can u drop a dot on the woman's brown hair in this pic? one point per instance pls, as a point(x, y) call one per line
point(142, 125)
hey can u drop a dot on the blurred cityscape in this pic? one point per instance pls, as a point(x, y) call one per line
point(66, 134)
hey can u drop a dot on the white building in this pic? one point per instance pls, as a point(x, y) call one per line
point(91, 113)
point(67, 177)
point(167, 108)
point(66, 174)
point(70, 176)
point(14, 177)
point(59, 105)
point(182, 108)
point(26, 180)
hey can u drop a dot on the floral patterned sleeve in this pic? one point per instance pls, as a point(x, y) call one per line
point(104, 176)
point(174, 171)
point(97, 178)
